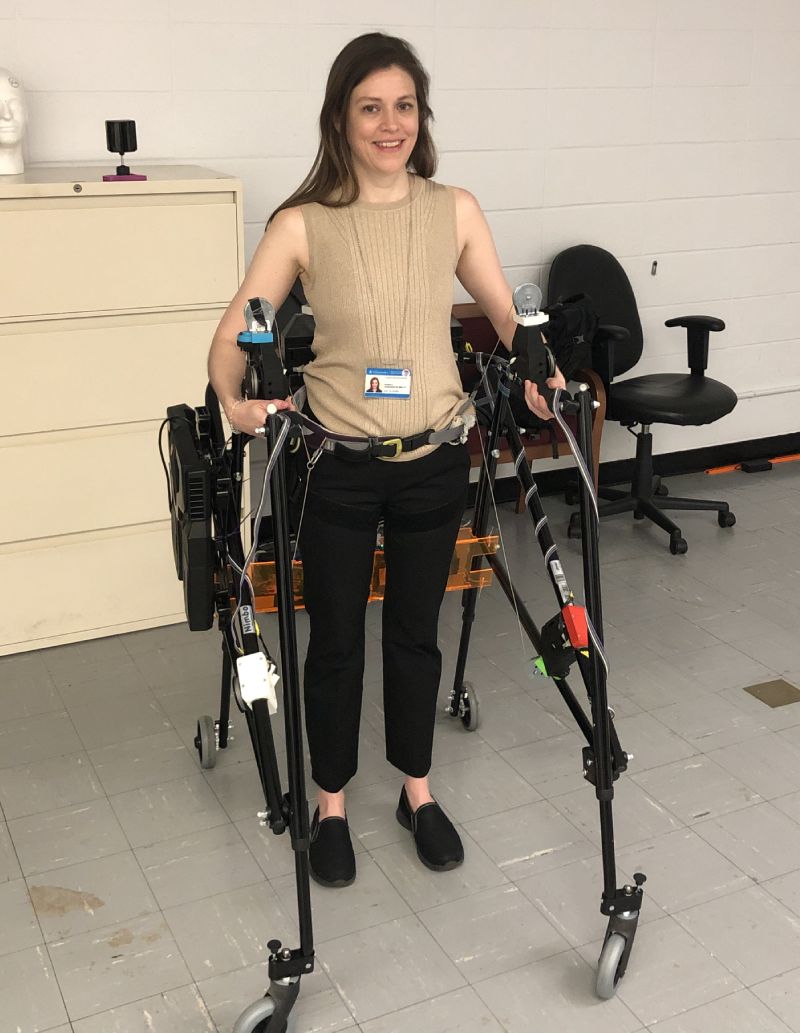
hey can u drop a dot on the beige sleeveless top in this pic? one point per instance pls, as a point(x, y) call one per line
point(380, 285)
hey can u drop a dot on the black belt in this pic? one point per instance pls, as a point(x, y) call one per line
point(380, 448)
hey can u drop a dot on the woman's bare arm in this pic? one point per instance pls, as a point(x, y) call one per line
point(281, 255)
point(480, 272)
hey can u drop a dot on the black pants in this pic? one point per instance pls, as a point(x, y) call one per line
point(421, 502)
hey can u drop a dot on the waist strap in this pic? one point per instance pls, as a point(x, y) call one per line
point(355, 449)
point(390, 448)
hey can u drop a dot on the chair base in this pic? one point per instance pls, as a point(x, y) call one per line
point(641, 499)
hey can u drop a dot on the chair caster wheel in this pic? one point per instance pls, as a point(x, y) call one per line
point(726, 519)
point(608, 966)
point(205, 742)
point(662, 490)
point(470, 711)
point(677, 545)
point(638, 514)
point(574, 526)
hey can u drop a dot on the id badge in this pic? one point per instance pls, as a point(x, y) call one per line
point(387, 382)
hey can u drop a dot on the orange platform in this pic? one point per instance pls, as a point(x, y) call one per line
point(461, 573)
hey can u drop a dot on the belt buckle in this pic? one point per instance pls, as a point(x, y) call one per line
point(397, 443)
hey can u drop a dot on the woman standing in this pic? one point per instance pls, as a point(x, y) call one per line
point(376, 243)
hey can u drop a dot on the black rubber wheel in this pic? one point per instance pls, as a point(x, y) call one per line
point(726, 519)
point(608, 965)
point(267, 1027)
point(574, 526)
point(205, 741)
point(471, 714)
point(661, 490)
point(638, 514)
point(678, 546)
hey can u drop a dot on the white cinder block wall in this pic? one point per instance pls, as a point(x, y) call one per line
point(663, 129)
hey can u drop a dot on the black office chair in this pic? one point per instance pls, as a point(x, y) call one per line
point(685, 399)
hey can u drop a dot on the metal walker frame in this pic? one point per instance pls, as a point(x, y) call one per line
point(559, 643)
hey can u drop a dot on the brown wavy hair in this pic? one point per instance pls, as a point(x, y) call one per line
point(332, 180)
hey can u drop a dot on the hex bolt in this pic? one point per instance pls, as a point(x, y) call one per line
point(286, 953)
point(629, 756)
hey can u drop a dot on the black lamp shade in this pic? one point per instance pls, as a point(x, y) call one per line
point(121, 136)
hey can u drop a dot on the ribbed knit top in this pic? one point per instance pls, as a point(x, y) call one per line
point(380, 285)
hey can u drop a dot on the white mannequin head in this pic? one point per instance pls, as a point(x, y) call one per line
point(13, 119)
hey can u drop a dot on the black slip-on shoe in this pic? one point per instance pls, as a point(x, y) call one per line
point(438, 844)
point(330, 853)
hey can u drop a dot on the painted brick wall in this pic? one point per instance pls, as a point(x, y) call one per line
point(660, 129)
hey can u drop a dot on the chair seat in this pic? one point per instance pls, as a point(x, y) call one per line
point(681, 398)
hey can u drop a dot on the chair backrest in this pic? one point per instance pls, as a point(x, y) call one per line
point(587, 269)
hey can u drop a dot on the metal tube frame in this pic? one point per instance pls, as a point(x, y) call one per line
point(283, 810)
point(603, 758)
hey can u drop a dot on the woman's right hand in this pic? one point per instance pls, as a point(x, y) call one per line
point(250, 416)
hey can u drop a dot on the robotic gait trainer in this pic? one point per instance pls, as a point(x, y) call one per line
point(223, 581)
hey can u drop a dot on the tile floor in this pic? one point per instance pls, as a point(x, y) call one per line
point(137, 891)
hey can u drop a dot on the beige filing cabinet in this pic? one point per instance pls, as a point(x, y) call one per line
point(109, 296)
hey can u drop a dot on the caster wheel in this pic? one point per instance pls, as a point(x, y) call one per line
point(607, 966)
point(661, 490)
point(571, 495)
point(677, 545)
point(205, 742)
point(574, 526)
point(638, 514)
point(267, 1026)
point(258, 1018)
point(470, 708)
point(726, 519)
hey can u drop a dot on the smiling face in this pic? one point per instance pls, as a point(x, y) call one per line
point(382, 123)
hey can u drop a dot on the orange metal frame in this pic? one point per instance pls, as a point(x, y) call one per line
point(461, 576)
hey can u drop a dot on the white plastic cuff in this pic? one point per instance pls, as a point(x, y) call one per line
point(257, 680)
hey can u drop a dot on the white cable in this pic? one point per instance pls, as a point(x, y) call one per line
point(500, 536)
point(583, 470)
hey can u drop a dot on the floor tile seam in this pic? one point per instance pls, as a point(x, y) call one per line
point(31, 715)
point(461, 896)
point(626, 846)
point(196, 832)
point(752, 883)
point(163, 782)
point(751, 989)
point(122, 742)
point(66, 753)
point(707, 952)
point(747, 889)
point(787, 907)
point(589, 976)
point(656, 1026)
point(741, 778)
point(562, 950)
point(700, 753)
point(111, 925)
point(42, 942)
point(57, 981)
point(155, 896)
point(127, 1004)
point(511, 810)
point(14, 848)
point(698, 825)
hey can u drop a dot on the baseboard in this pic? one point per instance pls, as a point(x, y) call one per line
point(667, 464)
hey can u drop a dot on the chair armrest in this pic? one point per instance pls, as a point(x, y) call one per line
point(697, 331)
point(603, 349)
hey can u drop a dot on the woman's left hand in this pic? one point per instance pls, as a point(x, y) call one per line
point(534, 400)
